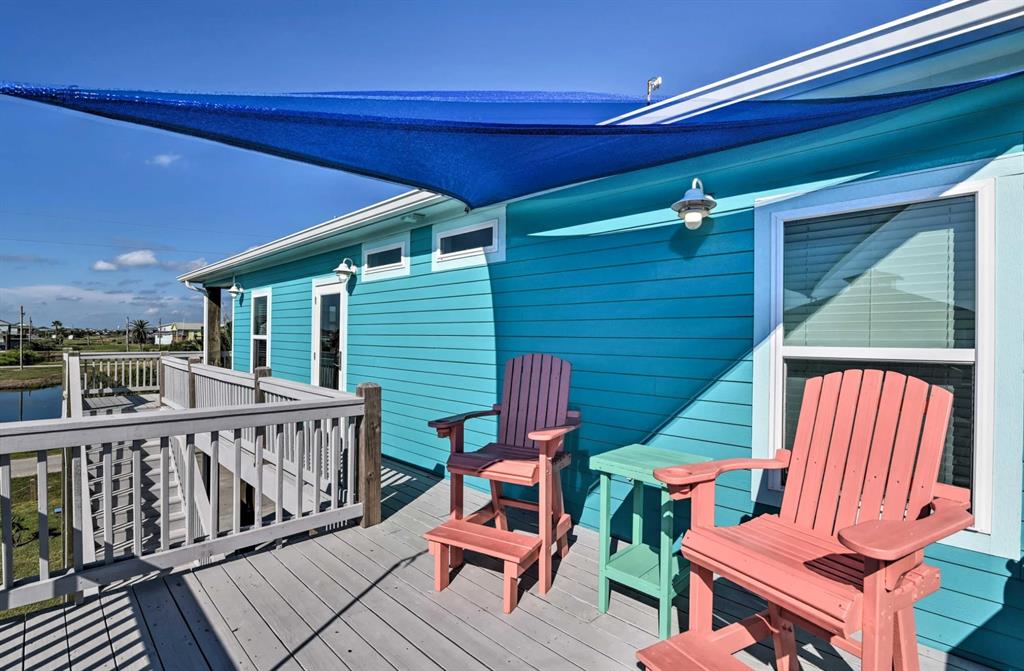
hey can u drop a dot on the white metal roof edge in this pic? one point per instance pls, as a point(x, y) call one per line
point(916, 30)
point(390, 207)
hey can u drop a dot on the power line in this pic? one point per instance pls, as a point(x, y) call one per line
point(111, 245)
point(102, 220)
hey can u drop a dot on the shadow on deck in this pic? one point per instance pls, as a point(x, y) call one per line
point(359, 599)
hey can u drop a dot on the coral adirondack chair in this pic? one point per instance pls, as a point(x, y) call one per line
point(846, 551)
point(533, 419)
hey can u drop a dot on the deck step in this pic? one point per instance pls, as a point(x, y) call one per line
point(688, 651)
point(504, 545)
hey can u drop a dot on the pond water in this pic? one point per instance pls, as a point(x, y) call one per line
point(24, 404)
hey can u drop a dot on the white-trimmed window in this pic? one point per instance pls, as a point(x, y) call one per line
point(899, 281)
point(259, 331)
point(386, 258)
point(473, 240)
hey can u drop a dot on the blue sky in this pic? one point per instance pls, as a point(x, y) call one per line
point(97, 217)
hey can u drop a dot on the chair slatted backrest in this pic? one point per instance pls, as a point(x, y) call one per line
point(868, 445)
point(535, 395)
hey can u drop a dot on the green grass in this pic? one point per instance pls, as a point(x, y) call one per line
point(31, 377)
point(26, 537)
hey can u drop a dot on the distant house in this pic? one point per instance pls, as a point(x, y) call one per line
point(176, 332)
point(6, 329)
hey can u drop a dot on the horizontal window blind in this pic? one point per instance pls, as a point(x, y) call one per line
point(259, 316)
point(891, 277)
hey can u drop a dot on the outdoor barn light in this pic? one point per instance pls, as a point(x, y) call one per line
point(235, 290)
point(345, 270)
point(694, 206)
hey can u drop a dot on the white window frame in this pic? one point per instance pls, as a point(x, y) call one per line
point(260, 293)
point(770, 215)
point(322, 286)
point(390, 271)
point(495, 253)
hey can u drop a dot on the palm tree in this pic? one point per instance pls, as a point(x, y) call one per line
point(59, 332)
point(139, 331)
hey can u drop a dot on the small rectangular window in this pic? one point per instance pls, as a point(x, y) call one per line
point(259, 336)
point(478, 239)
point(385, 258)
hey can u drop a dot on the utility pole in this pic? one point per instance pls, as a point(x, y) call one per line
point(126, 333)
point(21, 339)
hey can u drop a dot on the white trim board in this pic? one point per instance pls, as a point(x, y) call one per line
point(913, 32)
point(474, 257)
point(994, 534)
point(400, 269)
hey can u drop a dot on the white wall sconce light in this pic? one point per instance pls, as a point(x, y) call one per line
point(345, 270)
point(235, 290)
point(694, 205)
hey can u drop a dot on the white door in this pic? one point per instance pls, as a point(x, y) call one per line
point(329, 326)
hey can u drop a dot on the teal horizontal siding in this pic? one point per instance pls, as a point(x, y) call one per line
point(656, 321)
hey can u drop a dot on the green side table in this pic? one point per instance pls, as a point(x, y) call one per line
point(656, 572)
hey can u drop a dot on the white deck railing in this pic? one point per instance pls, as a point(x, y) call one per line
point(296, 445)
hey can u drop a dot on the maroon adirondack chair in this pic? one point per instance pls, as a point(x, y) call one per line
point(846, 551)
point(533, 419)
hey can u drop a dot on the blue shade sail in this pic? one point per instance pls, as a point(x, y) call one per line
point(479, 147)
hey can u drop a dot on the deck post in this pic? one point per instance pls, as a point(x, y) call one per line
point(211, 326)
point(369, 453)
point(160, 379)
point(248, 491)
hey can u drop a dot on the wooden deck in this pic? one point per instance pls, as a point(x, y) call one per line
point(362, 599)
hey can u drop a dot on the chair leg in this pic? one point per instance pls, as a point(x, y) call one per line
point(441, 569)
point(544, 525)
point(906, 641)
point(702, 592)
point(877, 654)
point(558, 505)
point(456, 492)
point(511, 586)
point(500, 518)
point(784, 639)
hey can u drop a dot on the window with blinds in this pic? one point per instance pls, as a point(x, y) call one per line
point(894, 277)
point(260, 340)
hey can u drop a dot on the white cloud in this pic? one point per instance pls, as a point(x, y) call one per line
point(81, 306)
point(184, 266)
point(103, 266)
point(163, 160)
point(136, 259)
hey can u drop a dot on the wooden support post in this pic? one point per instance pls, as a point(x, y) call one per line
point(160, 379)
point(192, 361)
point(369, 453)
point(248, 491)
point(211, 326)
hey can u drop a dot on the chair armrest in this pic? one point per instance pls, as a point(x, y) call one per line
point(692, 474)
point(547, 435)
point(890, 540)
point(449, 422)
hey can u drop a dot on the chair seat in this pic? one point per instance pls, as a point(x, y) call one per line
point(810, 575)
point(503, 463)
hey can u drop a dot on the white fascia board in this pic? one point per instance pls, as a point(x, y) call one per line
point(943, 22)
point(390, 207)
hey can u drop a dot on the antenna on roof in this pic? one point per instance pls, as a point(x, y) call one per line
point(653, 84)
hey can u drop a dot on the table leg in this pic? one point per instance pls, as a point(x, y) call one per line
point(604, 541)
point(638, 512)
point(665, 565)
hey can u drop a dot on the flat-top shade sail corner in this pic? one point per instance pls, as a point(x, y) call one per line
point(479, 147)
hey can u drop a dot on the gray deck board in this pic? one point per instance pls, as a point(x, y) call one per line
point(363, 598)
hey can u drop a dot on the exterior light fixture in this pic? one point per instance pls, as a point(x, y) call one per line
point(694, 206)
point(345, 270)
point(653, 84)
point(235, 290)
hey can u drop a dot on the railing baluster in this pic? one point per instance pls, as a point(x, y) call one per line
point(214, 482)
point(236, 485)
point(257, 503)
point(300, 479)
point(335, 461)
point(42, 503)
point(165, 492)
point(279, 474)
point(318, 439)
point(137, 497)
point(108, 504)
point(7, 522)
point(190, 477)
point(350, 450)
